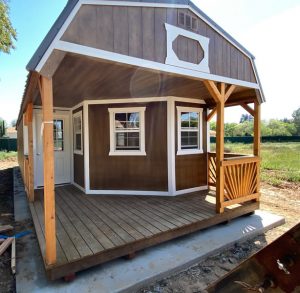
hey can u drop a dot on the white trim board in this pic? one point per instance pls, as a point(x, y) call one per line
point(124, 59)
point(128, 4)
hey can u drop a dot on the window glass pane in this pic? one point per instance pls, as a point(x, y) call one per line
point(184, 119)
point(189, 139)
point(127, 120)
point(127, 141)
point(58, 135)
point(78, 141)
point(194, 120)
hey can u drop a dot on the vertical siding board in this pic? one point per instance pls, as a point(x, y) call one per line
point(218, 55)
point(148, 33)
point(182, 48)
point(234, 62)
point(135, 32)
point(247, 69)
point(212, 64)
point(241, 72)
point(88, 25)
point(172, 18)
point(120, 19)
point(160, 34)
point(192, 48)
point(105, 28)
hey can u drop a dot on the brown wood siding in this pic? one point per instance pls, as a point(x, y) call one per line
point(191, 170)
point(78, 165)
point(20, 146)
point(148, 172)
point(140, 32)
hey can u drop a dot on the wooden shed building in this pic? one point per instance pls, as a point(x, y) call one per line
point(113, 140)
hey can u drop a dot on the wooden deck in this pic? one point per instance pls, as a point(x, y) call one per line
point(95, 229)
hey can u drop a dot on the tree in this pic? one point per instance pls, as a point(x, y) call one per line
point(296, 120)
point(7, 33)
point(246, 117)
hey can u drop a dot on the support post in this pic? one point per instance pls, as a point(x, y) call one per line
point(48, 158)
point(29, 114)
point(220, 96)
point(220, 157)
point(256, 141)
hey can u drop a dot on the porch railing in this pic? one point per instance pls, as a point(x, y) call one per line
point(241, 177)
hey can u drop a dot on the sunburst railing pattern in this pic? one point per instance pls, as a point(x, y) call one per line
point(241, 177)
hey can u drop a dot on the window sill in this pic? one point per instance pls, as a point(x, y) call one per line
point(78, 152)
point(189, 152)
point(127, 153)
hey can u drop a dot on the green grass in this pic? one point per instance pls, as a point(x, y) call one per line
point(280, 161)
point(7, 155)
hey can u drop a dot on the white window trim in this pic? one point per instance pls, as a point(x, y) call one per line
point(75, 151)
point(25, 137)
point(113, 150)
point(200, 137)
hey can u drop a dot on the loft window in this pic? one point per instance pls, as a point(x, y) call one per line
point(187, 21)
point(127, 131)
point(77, 133)
point(189, 130)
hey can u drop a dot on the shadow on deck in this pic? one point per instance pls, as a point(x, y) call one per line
point(93, 229)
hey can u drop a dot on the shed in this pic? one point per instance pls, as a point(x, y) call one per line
point(113, 130)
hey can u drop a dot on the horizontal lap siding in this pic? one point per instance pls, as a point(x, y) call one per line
point(191, 170)
point(140, 32)
point(129, 172)
point(78, 165)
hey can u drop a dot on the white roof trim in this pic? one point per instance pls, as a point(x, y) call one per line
point(124, 59)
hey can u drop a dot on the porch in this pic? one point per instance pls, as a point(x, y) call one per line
point(91, 230)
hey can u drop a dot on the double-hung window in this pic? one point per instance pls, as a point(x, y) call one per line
point(127, 131)
point(77, 133)
point(189, 130)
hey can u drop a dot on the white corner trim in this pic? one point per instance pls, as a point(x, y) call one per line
point(199, 150)
point(171, 146)
point(86, 146)
point(190, 190)
point(112, 132)
point(76, 115)
point(172, 59)
point(124, 59)
point(78, 186)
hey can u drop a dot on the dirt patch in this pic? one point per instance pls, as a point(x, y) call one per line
point(283, 200)
point(7, 280)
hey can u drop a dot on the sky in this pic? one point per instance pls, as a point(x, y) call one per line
point(268, 29)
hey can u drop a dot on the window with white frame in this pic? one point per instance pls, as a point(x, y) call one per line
point(127, 131)
point(189, 130)
point(77, 133)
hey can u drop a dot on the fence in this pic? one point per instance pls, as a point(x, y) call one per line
point(249, 139)
point(8, 144)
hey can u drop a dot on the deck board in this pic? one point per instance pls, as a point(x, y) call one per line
point(91, 230)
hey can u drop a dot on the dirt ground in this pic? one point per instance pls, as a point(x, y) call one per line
point(283, 200)
point(7, 281)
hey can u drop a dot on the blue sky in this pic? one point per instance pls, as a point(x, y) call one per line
point(268, 28)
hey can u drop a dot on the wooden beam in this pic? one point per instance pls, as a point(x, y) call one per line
point(48, 159)
point(211, 114)
point(248, 109)
point(220, 157)
point(29, 113)
point(256, 141)
point(213, 90)
point(229, 92)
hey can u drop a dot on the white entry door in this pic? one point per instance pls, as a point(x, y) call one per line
point(62, 149)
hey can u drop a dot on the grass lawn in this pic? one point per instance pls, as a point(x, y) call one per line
point(7, 155)
point(280, 161)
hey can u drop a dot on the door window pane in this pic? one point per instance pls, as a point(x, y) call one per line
point(58, 134)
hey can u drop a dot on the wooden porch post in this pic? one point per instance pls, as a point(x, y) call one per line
point(220, 97)
point(48, 157)
point(30, 187)
point(256, 141)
